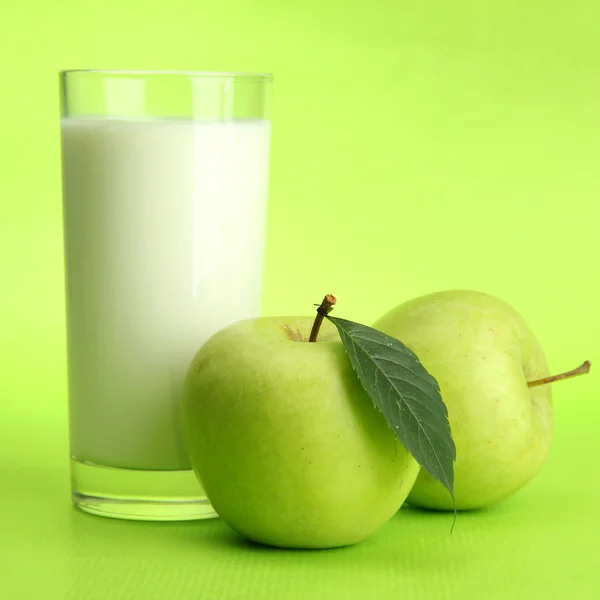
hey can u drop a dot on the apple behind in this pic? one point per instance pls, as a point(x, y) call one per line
point(482, 353)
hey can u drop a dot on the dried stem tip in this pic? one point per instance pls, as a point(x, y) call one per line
point(581, 370)
point(324, 309)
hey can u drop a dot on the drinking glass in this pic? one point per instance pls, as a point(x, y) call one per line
point(165, 179)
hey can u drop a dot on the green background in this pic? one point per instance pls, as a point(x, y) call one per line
point(417, 146)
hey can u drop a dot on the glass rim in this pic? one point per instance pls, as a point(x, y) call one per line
point(188, 73)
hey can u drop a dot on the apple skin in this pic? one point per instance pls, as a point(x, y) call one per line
point(288, 446)
point(482, 354)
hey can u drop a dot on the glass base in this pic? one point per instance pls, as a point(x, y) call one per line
point(138, 495)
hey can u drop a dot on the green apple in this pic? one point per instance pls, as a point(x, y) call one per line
point(288, 446)
point(482, 354)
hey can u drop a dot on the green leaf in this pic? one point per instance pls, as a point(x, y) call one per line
point(407, 395)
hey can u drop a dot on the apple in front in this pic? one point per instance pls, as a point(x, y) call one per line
point(287, 444)
point(482, 354)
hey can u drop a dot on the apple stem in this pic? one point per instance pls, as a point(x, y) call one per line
point(581, 370)
point(322, 311)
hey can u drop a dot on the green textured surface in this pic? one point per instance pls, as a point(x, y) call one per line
point(424, 145)
point(540, 544)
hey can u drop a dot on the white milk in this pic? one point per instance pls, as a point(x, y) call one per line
point(164, 239)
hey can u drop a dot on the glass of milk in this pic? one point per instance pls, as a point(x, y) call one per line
point(165, 178)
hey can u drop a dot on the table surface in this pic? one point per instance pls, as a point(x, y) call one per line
point(540, 543)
